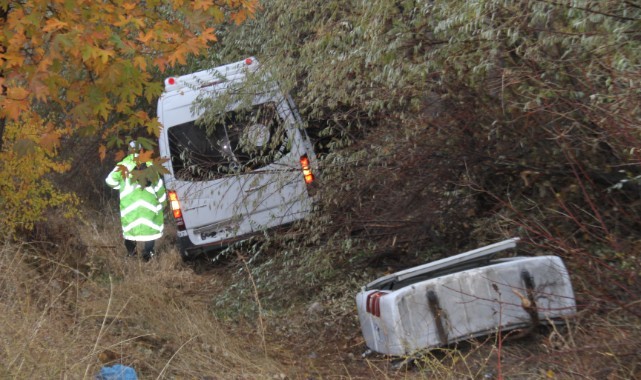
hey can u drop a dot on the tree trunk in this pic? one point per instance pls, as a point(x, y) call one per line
point(2, 123)
point(3, 90)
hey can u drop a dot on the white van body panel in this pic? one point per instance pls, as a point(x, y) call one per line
point(217, 211)
point(448, 308)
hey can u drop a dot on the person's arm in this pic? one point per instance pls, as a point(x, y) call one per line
point(114, 178)
point(161, 194)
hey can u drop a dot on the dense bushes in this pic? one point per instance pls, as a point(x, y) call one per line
point(447, 124)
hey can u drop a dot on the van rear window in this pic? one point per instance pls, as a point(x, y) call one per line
point(238, 142)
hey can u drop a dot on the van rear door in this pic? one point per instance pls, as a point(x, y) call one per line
point(237, 174)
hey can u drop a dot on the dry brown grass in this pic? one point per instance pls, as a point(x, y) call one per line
point(69, 310)
point(63, 321)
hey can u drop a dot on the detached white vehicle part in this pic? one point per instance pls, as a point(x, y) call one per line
point(462, 297)
point(237, 168)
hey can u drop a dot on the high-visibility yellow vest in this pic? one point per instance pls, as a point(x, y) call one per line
point(141, 207)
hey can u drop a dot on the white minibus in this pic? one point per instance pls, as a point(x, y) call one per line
point(239, 160)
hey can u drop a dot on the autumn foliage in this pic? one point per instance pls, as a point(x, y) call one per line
point(86, 67)
point(26, 193)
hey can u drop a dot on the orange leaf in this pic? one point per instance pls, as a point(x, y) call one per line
point(123, 170)
point(50, 140)
point(13, 59)
point(208, 34)
point(40, 90)
point(53, 25)
point(102, 152)
point(145, 38)
point(17, 93)
point(203, 4)
point(142, 115)
point(240, 16)
point(144, 156)
point(13, 108)
point(119, 155)
point(129, 6)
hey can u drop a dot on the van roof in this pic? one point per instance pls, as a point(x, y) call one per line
point(212, 76)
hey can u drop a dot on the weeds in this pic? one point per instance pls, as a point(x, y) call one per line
point(66, 315)
point(60, 323)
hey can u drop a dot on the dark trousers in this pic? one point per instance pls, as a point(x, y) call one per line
point(147, 250)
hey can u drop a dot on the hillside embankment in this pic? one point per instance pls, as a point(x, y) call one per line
point(73, 303)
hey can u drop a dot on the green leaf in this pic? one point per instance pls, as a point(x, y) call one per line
point(24, 147)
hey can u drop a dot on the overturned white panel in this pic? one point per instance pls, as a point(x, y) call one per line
point(402, 317)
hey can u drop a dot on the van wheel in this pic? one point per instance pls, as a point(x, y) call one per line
point(188, 256)
point(184, 255)
point(186, 249)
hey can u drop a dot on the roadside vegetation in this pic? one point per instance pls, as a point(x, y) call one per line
point(441, 126)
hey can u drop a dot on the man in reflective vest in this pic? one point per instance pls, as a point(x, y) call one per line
point(141, 205)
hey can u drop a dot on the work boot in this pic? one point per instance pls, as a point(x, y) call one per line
point(148, 255)
point(132, 250)
point(148, 250)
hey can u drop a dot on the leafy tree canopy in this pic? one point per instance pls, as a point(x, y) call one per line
point(87, 67)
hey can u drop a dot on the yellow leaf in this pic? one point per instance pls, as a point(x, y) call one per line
point(103, 109)
point(153, 127)
point(105, 55)
point(17, 93)
point(217, 14)
point(140, 63)
point(87, 52)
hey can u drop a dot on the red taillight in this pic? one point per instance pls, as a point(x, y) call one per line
point(307, 170)
point(248, 61)
point(175, 209)
point(175, 205)
point(373, 303)
point(171, 81)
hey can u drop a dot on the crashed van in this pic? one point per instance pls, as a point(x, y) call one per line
point(238, 159)
point(461, 297)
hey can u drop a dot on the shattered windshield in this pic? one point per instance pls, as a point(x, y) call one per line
point(237, 142)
